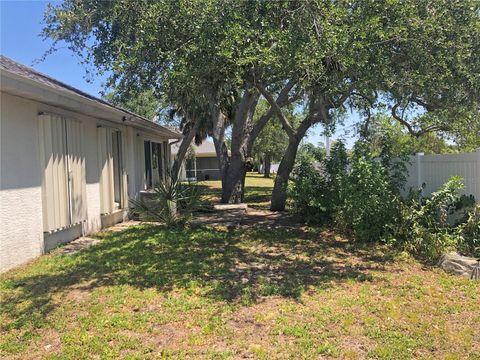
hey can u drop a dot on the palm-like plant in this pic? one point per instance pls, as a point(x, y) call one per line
point(171, 202)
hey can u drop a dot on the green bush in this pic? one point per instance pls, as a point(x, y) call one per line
point(424, 229)
point(314, 189)
point(469, 234)
point(356, 195)
point(360, 195)
point(368, 207)
point(310, 194)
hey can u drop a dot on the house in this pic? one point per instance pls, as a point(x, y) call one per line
point(69, 162)
point(203, 165)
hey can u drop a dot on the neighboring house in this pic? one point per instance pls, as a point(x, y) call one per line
point(69, 162)
point(202, 166)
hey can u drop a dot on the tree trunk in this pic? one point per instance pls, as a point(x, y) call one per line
point(182, 151)
point(223, 160)
point(244, 133)
point(318, 110)
point(219, 123)
point(279, 194)
point(267, 165)
point(232, 170)
point(233, 189)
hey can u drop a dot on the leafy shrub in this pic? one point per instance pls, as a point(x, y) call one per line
point(171, 202)
point(356, 196)
point(360, 195)
point(469, 233)
point(424, 228)
point(368, 208)
point(310, 194)
point(315, 185)
point(397, 170)
point(336, 167)
point(337, 162)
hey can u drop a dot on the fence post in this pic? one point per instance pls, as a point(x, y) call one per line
point(418, 160)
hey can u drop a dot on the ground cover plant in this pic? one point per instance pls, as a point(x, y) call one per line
point(251, 291)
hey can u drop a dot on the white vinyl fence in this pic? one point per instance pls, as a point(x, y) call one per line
point(435, 170)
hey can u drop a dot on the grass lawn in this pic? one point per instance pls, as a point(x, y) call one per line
point(231, 293)
point(257, 190)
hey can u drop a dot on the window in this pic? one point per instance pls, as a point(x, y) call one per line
point(148, 163)
point(155, 164)
point(191, 168)
point(113, 178)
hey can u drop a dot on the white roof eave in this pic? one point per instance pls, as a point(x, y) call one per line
point(65, 99)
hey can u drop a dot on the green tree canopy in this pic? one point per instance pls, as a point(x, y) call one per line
point(145, 104)
point(418, 57)
point(383, 128)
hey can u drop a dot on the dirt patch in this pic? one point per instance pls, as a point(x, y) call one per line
point(123, 225)
point(268, 218)
point(79, 292)
point(165, 336)
point(228, 218)
point(50, 344)
point(85, 242)
point(232, 216)
point(76, 245)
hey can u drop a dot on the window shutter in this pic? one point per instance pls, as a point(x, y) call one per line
point(105, 158)
point(124, 177)
point(76, 170)
point(54, 180)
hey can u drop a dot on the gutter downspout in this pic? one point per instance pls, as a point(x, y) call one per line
point(170, 151)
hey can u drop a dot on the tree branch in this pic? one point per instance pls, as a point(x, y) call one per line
point(409, 127)
point(282, 100)
point(343, 97)
point(426, 106)
point(402, 121)
point(276, 108)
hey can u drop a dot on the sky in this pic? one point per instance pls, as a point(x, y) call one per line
point(21, 23)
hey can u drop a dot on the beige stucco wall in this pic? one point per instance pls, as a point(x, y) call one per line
point(21, 229)
point(21, 236)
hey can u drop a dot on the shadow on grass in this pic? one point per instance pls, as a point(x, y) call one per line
point(228, 265)
point(257, 194)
